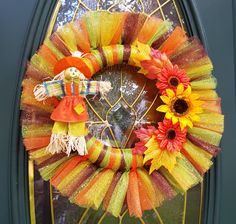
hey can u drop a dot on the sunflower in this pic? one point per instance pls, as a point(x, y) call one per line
point(181, 106)
point(171, 77)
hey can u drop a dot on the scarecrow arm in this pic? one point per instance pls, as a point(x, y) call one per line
point(48, 89)
point(94, 87)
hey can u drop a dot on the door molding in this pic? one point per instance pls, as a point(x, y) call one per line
point(17, 185)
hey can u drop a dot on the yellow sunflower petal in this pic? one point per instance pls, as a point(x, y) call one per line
point(180, 89)
point(174, 119)
point(183, 122)
point(188, 91)
point(162, 108)
point(168, 115)
point(165, 99)
point(190, 124)
point(170, 93)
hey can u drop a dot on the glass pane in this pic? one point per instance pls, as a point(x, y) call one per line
point(129, 105)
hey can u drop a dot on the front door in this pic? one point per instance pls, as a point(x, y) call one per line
point(28, 199)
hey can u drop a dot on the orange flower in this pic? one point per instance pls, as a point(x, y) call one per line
point(170, 78)
point(170, 136)
point(161, 146)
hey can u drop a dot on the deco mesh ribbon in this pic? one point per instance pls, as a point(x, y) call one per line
point(171, 156)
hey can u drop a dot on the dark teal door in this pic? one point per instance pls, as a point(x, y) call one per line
point(23, 26)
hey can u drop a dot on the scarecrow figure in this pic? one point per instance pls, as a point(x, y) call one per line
point(70, 116)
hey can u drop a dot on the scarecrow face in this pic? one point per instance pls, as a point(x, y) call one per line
point(73, 73)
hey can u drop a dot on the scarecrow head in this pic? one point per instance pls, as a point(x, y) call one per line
point(72, 68)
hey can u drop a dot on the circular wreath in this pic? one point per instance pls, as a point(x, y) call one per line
point(170, 157)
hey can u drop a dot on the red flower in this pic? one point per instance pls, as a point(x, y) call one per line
point(170, 136)
point(144, 135)
point(170, 78)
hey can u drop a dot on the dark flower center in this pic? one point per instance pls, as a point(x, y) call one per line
point(171, 134)
point(173, 81)
point(180, 107)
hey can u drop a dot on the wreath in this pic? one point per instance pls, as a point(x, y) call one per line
point(170, 156)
